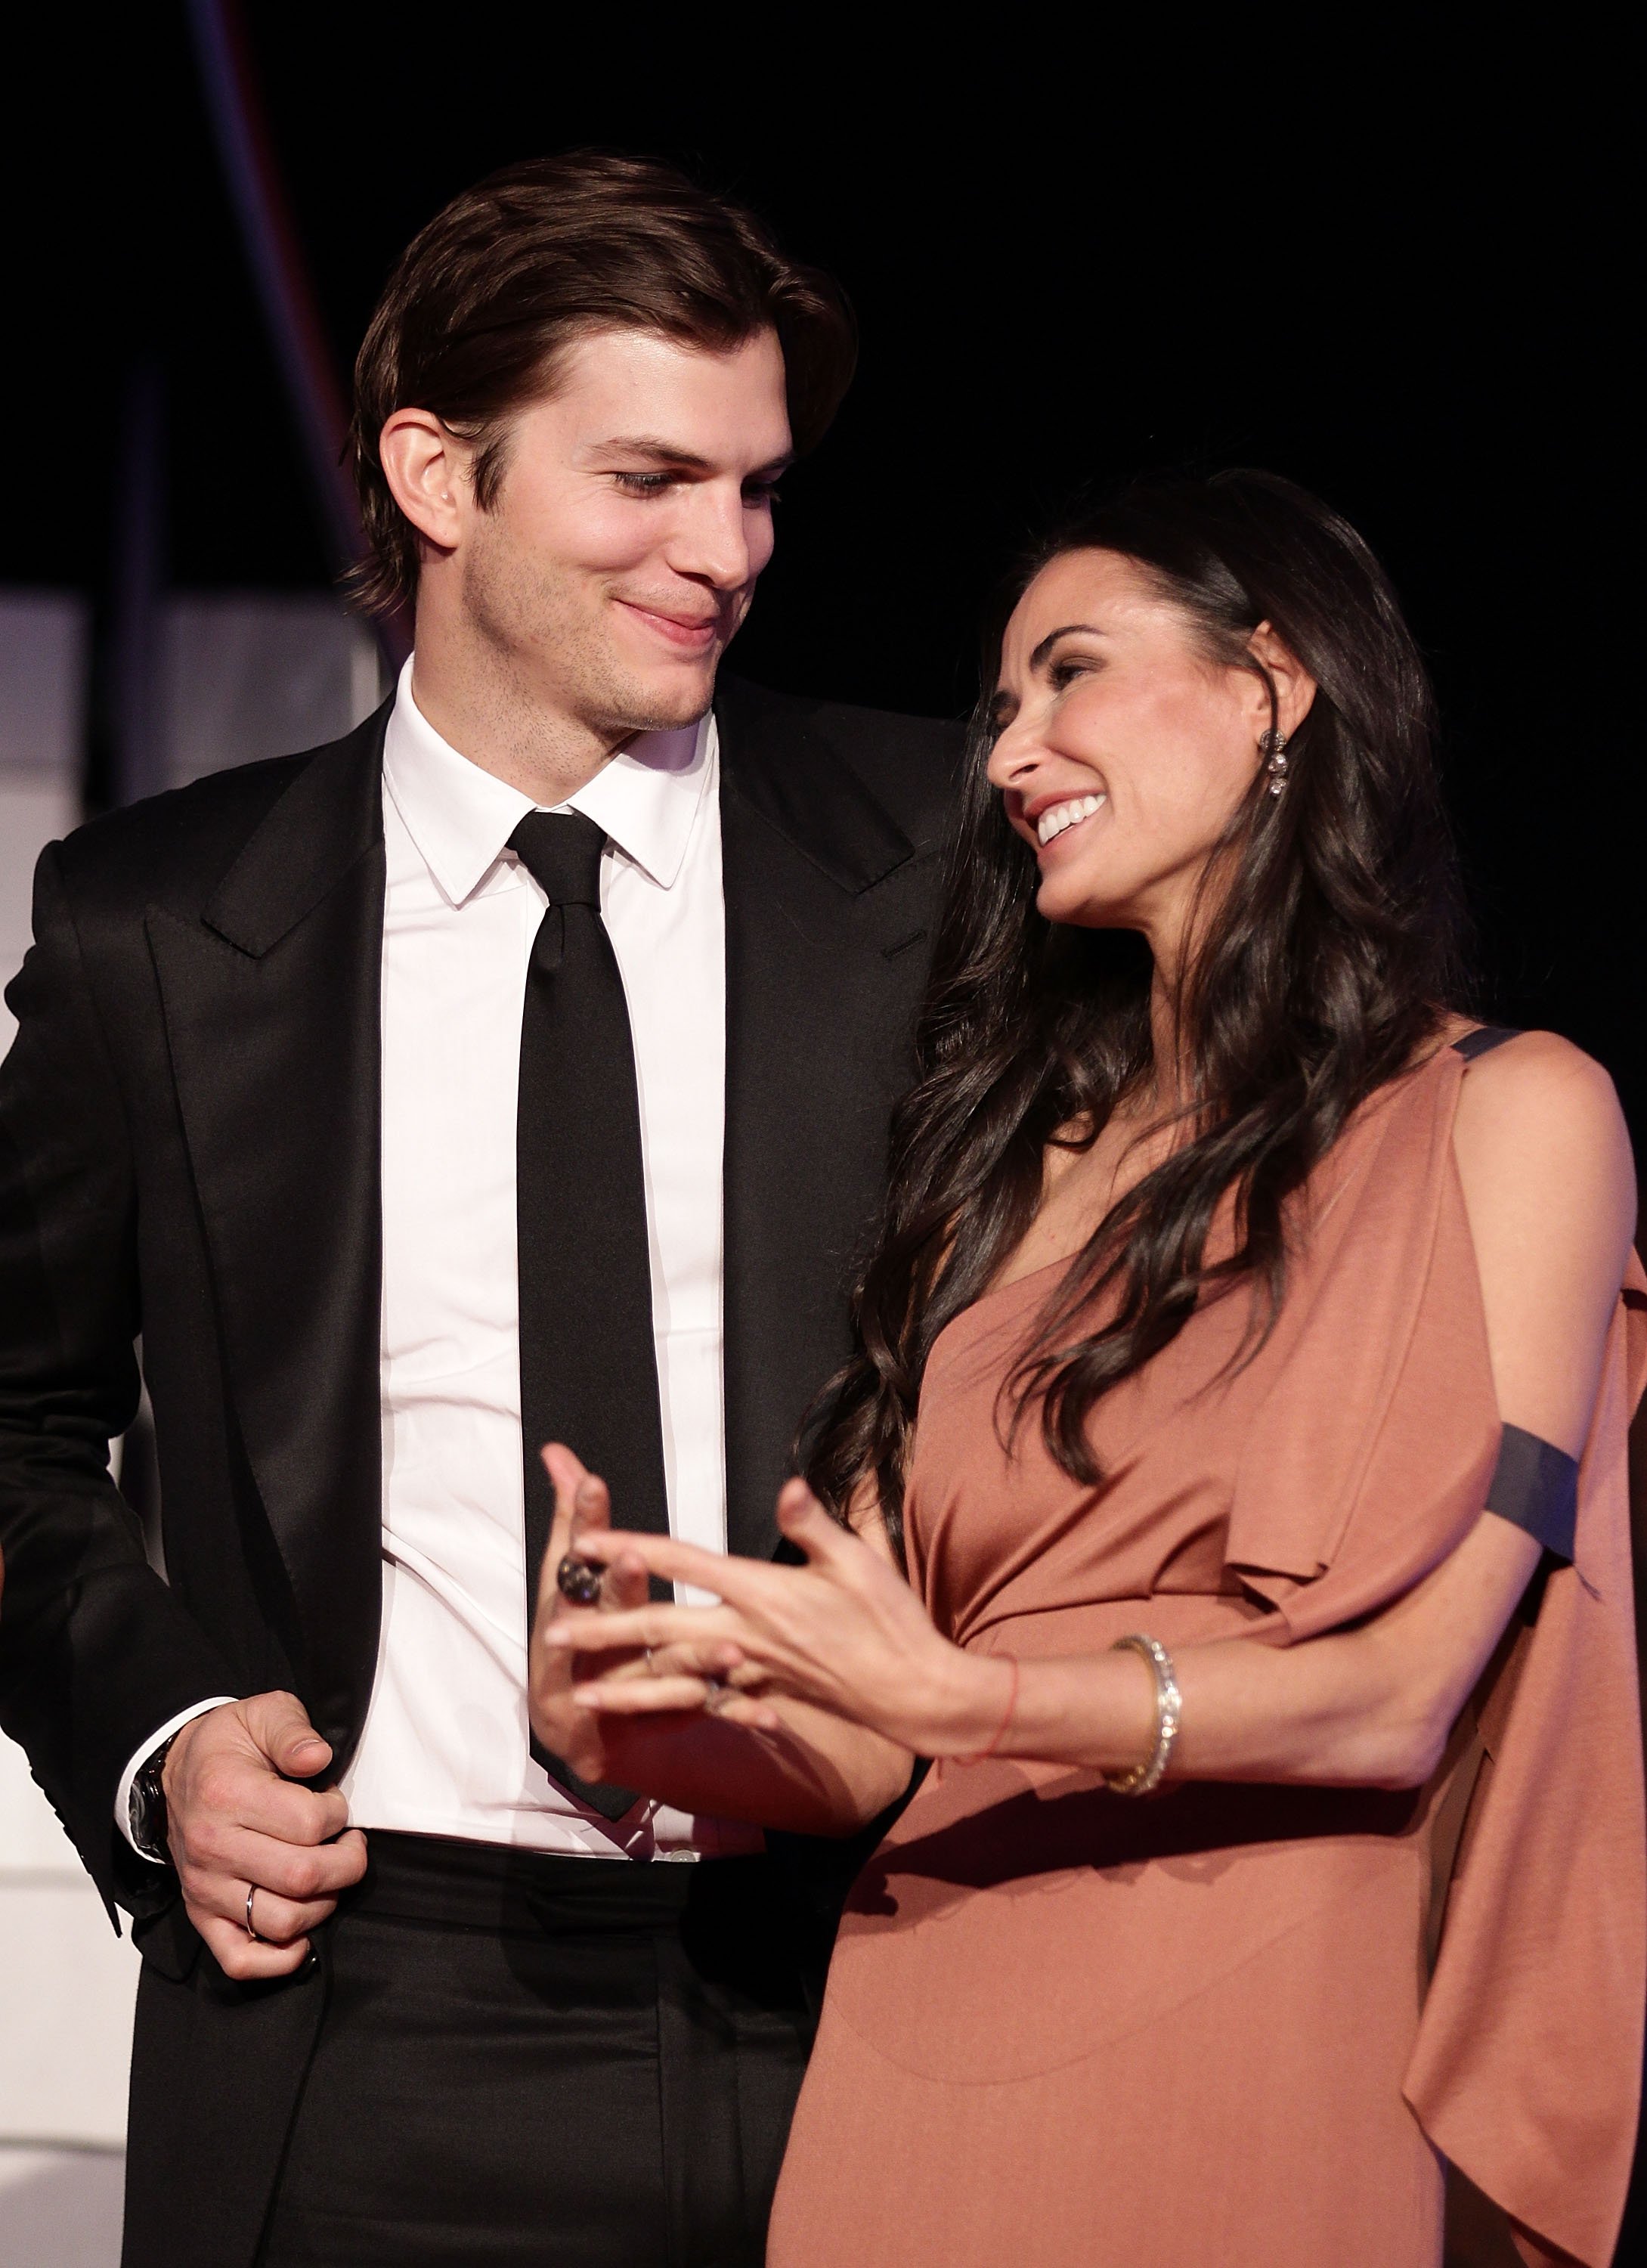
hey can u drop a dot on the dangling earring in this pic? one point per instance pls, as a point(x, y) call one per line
point(1273, 745)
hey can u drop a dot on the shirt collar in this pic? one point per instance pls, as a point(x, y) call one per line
point(461, 818)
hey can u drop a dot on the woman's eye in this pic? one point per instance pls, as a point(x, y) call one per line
point(1063, 674)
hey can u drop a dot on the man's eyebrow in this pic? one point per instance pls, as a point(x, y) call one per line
point(1068, 630)
point(665, 453)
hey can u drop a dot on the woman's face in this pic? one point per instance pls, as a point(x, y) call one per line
point(1124, 752)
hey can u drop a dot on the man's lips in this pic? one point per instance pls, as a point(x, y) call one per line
point(691, 633)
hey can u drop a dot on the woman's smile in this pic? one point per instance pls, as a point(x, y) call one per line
point(1063, 818)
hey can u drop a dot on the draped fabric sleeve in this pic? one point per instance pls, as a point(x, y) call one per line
point(1527, 2067)
point(1367, 1460)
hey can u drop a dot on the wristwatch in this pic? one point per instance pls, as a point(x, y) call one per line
point(146, 1807)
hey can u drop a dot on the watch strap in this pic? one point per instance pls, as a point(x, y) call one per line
point(146, 1808)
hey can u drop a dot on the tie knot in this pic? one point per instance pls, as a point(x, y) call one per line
point(562, 850)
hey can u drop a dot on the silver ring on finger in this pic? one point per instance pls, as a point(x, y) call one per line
point(651, 1667)
point(251, 1928)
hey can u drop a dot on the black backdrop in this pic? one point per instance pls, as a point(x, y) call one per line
point(1393, 272)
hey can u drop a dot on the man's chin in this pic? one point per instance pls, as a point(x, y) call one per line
point(666, 699)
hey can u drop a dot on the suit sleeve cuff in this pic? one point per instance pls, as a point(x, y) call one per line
point(122, 1795)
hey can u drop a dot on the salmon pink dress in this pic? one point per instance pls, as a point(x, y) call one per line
point(1233, 2026)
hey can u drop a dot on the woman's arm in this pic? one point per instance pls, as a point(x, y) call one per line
point(1544, 1160)
point(1548, 1187)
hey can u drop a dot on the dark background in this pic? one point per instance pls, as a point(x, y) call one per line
point(1396, 273)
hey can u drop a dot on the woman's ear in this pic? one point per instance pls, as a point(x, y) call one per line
point(1295, 688)
point(426, 470)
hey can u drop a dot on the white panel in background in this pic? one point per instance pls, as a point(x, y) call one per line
point(255, 674)
point(43, 653)
point(67, 2052)
point(67, 1983)
point(244, 675)
point(32, 1838)
point(43, 682)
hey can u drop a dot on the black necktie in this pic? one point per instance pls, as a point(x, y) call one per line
point(588, 1365)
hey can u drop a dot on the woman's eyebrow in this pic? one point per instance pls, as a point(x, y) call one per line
point(1068, 629)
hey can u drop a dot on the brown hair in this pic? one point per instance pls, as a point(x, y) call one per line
point(484, 300)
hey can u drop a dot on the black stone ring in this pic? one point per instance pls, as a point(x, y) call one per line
point(579, 1579)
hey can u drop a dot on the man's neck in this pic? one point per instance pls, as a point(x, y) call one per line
point(486, 705)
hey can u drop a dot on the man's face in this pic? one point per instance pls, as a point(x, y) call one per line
point(633, 520)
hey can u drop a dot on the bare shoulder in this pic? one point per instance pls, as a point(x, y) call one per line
point(1549, 1189)
point(1538, 1113)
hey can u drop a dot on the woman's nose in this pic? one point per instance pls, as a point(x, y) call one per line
point(1014, 757)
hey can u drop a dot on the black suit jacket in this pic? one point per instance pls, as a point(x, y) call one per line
point(189, 1155)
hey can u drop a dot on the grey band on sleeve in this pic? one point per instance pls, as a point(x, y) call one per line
point(1535, 1485)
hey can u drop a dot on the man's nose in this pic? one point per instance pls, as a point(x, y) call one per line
point(712, 539)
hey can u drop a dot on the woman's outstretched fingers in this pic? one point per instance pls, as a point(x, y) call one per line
point(584, 1631)
point(805, 1521)
point(674, 1561)
point(644, 1696)
point(626, 1582)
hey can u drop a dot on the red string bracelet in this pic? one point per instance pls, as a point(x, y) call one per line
point(1000, 1731)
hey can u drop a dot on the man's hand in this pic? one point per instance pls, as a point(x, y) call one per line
point(235, 1820)
point(582, 1508)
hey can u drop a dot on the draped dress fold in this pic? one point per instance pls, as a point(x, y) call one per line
point(1239, 2024)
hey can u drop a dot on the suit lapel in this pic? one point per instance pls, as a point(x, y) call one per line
point(271, 997)
point(822, 890)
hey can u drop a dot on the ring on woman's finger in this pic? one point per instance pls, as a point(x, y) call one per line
point(251, 1929)
point(651, 1667)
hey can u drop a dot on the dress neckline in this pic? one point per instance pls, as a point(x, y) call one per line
point(1479, 1040)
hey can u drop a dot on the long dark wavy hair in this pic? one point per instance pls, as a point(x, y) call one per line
point(1330, 950)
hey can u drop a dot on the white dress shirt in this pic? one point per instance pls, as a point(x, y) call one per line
point(445, 1749)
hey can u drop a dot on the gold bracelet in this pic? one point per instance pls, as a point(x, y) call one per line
point(1144, 1778)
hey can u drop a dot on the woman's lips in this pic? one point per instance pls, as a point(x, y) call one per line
point(1066, 816)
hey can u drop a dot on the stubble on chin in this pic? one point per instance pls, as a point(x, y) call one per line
point(550, 631)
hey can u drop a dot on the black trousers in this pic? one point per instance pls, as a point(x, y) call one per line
point(574, 2062)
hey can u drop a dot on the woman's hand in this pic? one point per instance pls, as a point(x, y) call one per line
point(844, 1633)
point(675, 1731)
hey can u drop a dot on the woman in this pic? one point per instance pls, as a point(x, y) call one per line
point(1226, 1275)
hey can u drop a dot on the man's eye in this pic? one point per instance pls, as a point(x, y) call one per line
point(763, 493)
point(644, 484)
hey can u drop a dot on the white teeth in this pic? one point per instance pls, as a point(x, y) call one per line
point(1066, 815)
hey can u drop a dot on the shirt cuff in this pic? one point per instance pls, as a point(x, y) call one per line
point(122, 1795)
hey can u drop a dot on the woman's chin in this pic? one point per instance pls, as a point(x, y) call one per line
point(1078, 903)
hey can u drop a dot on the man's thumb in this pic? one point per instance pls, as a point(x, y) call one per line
point(280, 1725)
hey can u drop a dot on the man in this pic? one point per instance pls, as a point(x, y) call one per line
point(516, 1069)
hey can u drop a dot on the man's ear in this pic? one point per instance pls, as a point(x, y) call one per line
point(427, 468)
point(1295, 688)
